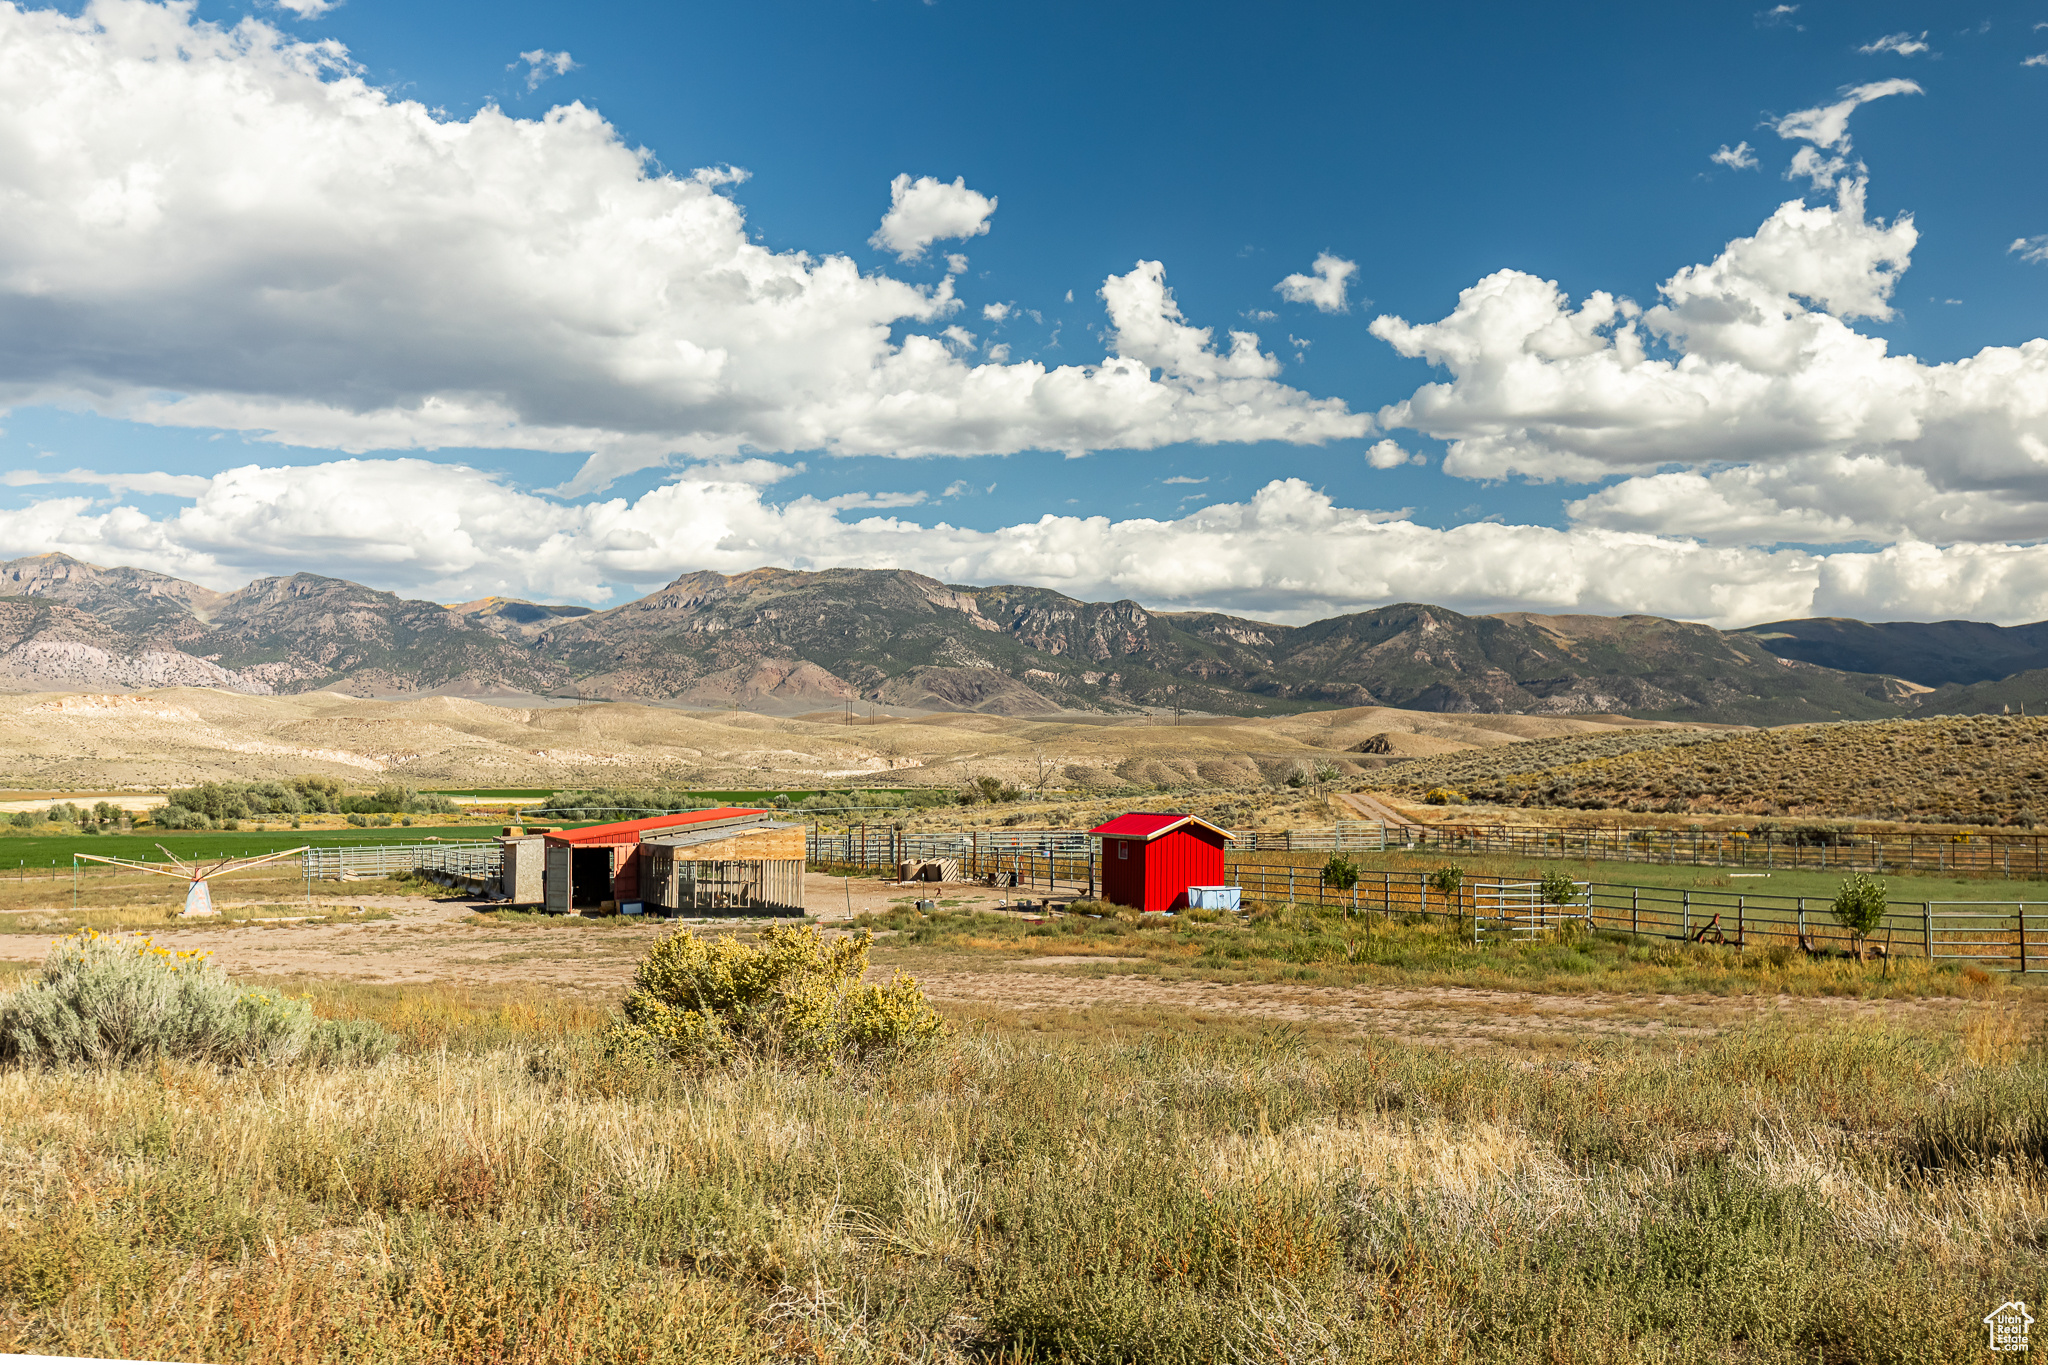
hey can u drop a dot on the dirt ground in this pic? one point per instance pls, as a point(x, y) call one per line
point(444, 941)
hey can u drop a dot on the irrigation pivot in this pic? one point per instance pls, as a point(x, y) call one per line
point(198, 899)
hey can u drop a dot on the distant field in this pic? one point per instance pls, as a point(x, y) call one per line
point(492, 793)
point(769, 794)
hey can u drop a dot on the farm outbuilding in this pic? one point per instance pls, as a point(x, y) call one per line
point(748, 869)
point(1150, 860)
point(524, 869)
point(599, 863)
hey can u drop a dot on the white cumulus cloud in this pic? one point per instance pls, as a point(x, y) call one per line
point(1324, 287)
point(450, 533)
point(307, 9)
point(1745, 404)
point(1736, 158)
point(217, 227)
point(926, 210)
point(2031, 248)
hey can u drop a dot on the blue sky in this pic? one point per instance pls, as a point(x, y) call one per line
point(294, 326)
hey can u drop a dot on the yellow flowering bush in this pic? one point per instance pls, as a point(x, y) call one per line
point(116, 999)
point(794, 997)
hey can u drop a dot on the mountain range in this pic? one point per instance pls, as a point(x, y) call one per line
point(784, 637)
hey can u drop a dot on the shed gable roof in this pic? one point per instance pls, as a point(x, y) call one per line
point(1149, 825)
point(630, 831)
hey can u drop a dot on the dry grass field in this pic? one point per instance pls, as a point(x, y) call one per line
point(1982, 770)
point(1176, 1188)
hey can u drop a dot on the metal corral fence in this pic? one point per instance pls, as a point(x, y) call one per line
point(1031, 858)
point(1813, 847)
point(481, 859)
point(1045, 854)
point(2000, 935)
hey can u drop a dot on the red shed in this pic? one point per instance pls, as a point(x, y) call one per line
point(601, 862)
point(1149, 861)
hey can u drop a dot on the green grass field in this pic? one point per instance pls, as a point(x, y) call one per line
point(1902, 888)
point(45, 851)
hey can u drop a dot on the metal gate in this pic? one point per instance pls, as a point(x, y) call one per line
point(1518, 912)
point(1507, 910)
point(556, 886)
point(2000, 935)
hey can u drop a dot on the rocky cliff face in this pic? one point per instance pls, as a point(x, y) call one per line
point(837, 635)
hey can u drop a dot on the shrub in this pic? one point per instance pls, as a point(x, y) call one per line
point(794, 998)
point(115, 999)
point(1859, 907)
point(989, 789)
point(1340, 873)
point(1558, 888)
point(1443, 796)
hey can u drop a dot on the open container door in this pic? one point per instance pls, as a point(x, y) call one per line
point(556, 886)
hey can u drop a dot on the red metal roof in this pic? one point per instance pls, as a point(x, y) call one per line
point(629, 831)
point(1147, 825)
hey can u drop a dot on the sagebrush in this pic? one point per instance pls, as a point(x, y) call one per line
point(119, 999)
point(793, 997)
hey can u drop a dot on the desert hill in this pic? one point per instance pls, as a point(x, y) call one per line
point(781, 639)
point(178, 736)
point(1983, 770)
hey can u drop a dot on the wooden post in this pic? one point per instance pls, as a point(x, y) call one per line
point(1635, 897)
point(2021, 908)
point(1685, 913)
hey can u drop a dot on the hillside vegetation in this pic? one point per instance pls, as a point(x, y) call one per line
point(1952, 770)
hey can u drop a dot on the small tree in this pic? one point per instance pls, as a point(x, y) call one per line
point(1859, 907)
point(1447, 881)
point(1340, 873)
point(1558, 888)
point(1043, 769)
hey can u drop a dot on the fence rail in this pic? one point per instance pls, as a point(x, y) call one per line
point(1989, 853)
point(481, 859)
point(2003, 935)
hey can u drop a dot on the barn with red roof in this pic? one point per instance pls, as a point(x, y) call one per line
point(1150, 860)
point(663, 859)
